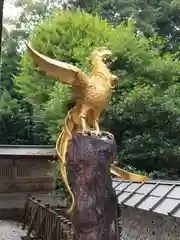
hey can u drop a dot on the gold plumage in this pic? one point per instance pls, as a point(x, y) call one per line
point(92, 96)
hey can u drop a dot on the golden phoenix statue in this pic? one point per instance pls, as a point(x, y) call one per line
point(92, 95)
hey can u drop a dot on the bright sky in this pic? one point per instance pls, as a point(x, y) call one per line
point(10, 10)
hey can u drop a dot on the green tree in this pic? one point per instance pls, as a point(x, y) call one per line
point(143, 114)
point(144, 109)
point(160, 16)
point(74, 45)
point(17, 120)
point(1, 23)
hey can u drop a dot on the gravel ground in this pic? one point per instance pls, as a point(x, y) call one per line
point(10, 230)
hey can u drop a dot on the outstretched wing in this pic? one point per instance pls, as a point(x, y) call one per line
point(63, 71)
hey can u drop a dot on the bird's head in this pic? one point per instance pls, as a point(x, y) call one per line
point(102, 53)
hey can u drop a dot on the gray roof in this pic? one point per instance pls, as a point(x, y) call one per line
point(22, 150)
point(162, 197)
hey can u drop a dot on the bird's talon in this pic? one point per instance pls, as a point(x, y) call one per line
point(95, 133)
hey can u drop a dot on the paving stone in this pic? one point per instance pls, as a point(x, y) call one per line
point(10, 230)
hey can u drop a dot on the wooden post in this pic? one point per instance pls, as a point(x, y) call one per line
point(89, 158)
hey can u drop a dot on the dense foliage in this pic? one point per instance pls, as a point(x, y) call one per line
point(72, 38)
point(18, 122)
point(144, 111)
point(159, 16)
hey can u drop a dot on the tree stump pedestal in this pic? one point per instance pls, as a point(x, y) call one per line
point(88, 159)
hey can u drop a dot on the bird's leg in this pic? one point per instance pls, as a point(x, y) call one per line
point(83, 118)
point(96, 126)
point(83, 124)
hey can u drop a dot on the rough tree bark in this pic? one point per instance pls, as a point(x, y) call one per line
point(89, 158)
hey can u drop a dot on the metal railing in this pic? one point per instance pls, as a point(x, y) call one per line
point(44, 223)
